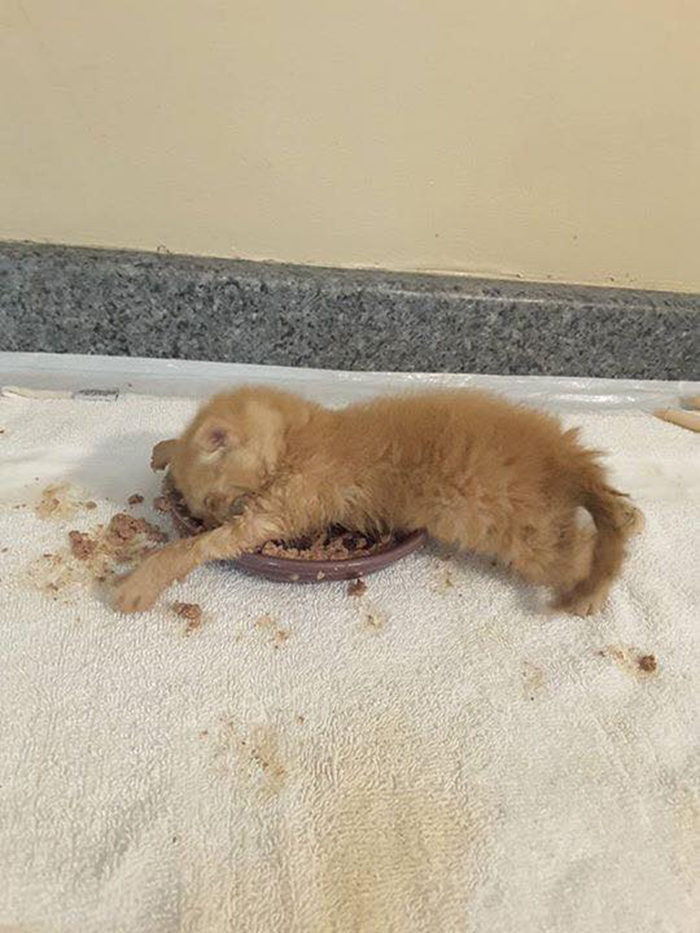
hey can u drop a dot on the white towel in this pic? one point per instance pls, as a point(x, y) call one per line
point(433, 756)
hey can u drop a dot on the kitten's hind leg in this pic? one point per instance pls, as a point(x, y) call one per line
point(559, 556)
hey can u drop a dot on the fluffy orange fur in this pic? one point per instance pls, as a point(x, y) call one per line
point(472, 469)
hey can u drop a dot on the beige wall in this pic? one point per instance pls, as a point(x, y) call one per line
point(552, 139)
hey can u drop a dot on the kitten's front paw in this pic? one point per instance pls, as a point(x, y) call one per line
point(135, 594)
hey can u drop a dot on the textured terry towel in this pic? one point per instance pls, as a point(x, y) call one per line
point(433, 756)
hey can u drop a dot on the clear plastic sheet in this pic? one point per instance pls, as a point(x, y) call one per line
point(45, 374)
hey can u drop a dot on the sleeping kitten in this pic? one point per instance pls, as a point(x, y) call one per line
point(472, 469)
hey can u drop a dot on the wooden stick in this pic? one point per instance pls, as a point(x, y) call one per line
point(684, 419)
point(694, 401)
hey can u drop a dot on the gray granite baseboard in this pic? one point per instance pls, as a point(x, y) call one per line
point(75, 300)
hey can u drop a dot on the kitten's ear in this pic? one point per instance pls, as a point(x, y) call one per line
point(214, 436)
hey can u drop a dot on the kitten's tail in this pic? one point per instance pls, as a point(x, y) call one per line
point(602, 502)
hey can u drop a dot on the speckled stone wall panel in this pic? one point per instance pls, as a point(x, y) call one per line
point(68, 299)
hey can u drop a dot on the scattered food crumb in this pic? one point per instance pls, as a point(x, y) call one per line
point(533, 680)
point(277, 634)
point(56, 502)
point(190, 611)
point(5, 550)
point(123, 527)
point(82, 545)
point(90, 505)
point(357, 588)
point(94, 555)
point(50, 573)
point(301, 720)
point(445, 579)
point(640, 666)
point(375, 620)
point(135, 499)
point(161, 504)
point(48, 505)
point(187, 610)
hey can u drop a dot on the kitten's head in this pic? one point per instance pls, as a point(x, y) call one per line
point(233, 448)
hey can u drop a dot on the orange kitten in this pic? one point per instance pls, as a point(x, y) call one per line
point(472, 469)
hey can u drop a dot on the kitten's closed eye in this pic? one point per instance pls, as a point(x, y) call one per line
point(223, 507)
point(214, 502)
